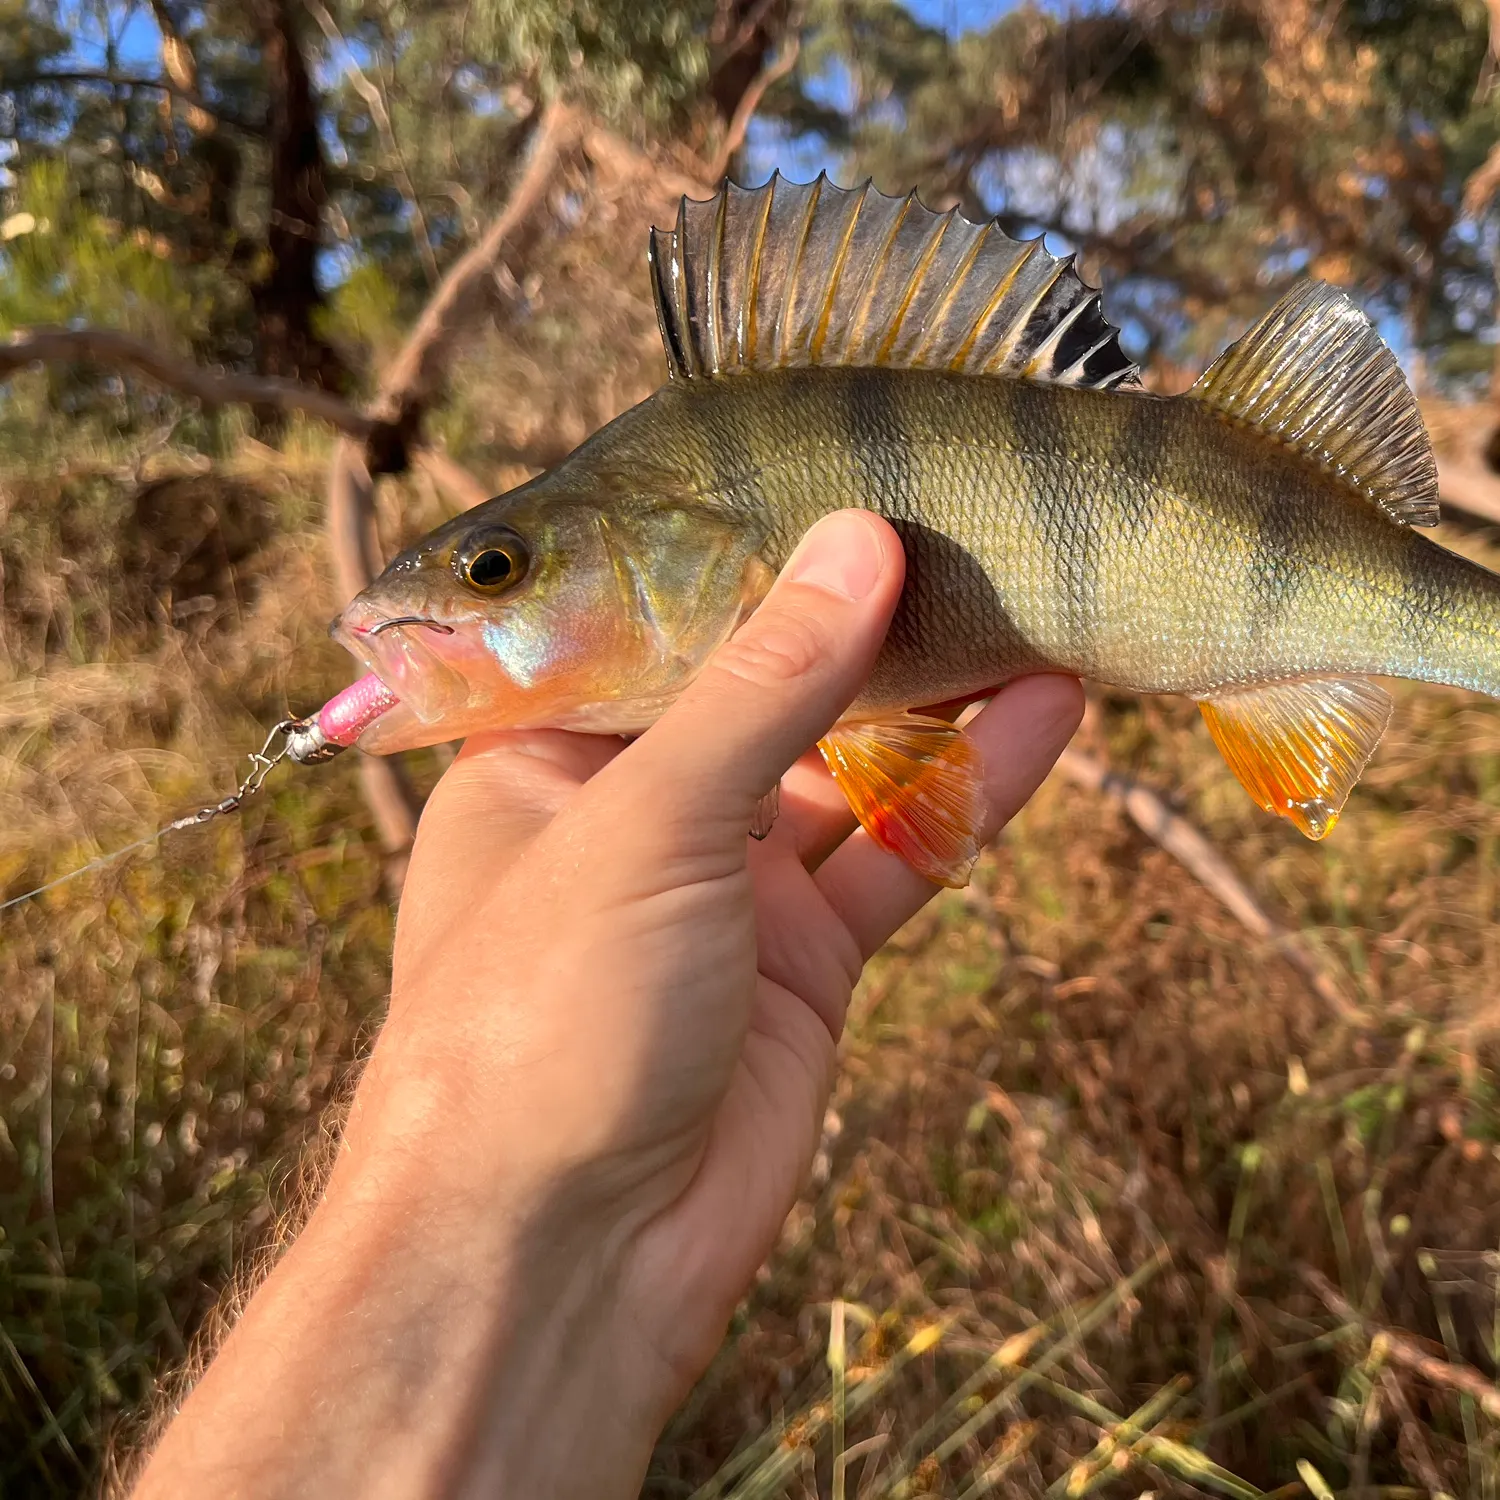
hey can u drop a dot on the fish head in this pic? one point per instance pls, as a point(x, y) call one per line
point(562, 604)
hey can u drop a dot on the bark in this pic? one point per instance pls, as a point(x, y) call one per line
point(412, 381)
point(1469, 485)
point(352, 537)
point(388, 792)
point(415, 377)
point(453, 479)
point(744, 111)
point(745, 34)
point(122, 351)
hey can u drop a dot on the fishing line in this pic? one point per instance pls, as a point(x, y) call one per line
point(305, 742)
point(291, 732)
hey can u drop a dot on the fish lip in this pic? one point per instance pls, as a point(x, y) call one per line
point(416, 676)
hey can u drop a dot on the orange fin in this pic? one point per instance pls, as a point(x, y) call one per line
point(917, 786)
point(1298, 747)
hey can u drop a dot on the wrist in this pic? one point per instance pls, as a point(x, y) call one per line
point(524, 1374)
point(418, 1341)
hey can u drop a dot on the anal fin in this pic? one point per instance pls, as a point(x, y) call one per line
point(917, 787)
point(1298, 747)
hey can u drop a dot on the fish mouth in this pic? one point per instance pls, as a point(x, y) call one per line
point(391, 646)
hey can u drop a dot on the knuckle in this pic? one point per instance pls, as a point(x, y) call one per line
point(776, 650)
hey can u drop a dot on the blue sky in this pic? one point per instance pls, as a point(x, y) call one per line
point(140, 41)
point(956, 16)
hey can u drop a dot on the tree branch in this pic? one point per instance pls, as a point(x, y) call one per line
point(1472, 488)
point(355, 545)
point(179, 64)
point(630, 164)
point(375, 102)
point(418, 369)
point(1210, 869)
point(1466, 482)
point(1412, 1442)
point(744, 112)
point(1401, 1349)
point(125, 81)
point(413, 376)
point(453, 479)
point(104, 346)
point(409, 384)
point(1483, 184)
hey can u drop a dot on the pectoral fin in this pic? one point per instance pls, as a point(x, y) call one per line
point(766, 812)
point(1298, 747)
point(917, 786)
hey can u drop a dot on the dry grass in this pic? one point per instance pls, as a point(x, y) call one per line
point(1093, 1135)
point(1087, 1144)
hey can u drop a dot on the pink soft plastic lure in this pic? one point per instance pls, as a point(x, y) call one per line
point(347, 715)
point(340, 721)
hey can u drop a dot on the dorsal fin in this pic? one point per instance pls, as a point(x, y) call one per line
point(797, 274)
point(1314, 375)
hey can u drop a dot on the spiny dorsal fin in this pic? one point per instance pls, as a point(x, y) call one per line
point(797, 274)
point(1314, 375)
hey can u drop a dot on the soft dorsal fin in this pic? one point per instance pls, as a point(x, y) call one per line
point(798, 274)
point(1314, 375)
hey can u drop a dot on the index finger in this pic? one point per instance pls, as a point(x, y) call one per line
point(500, 792)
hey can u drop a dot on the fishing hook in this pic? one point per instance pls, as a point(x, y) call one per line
point(436, 625)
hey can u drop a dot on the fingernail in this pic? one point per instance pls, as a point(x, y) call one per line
point(841, 554)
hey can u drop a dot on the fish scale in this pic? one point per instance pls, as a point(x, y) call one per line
point(1152, 568)
point(1250, 544)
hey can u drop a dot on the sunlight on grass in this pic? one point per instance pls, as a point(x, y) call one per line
point(1089, 1150)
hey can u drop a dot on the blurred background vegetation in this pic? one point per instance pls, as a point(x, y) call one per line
point(1166, 1158)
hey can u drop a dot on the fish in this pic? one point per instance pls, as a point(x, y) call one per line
point(1253, 544)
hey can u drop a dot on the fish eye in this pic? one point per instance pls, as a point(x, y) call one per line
point(491, 561)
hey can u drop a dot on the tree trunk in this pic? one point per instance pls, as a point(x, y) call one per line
point(287, 298)
point(745, 34)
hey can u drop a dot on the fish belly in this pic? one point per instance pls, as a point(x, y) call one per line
point(1139, 541)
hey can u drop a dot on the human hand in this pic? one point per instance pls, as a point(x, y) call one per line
point(610, 1045)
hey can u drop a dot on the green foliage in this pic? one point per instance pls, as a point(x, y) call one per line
point(365, 312)
point(28, 36)
point(626, 58)
point(75, 265)
point(1431, 53)
point(1192, 153)
point(1050, 1077)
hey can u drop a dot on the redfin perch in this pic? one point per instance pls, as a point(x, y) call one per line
point(1250, 544)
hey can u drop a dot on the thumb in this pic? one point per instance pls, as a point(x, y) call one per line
point(779, 684)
